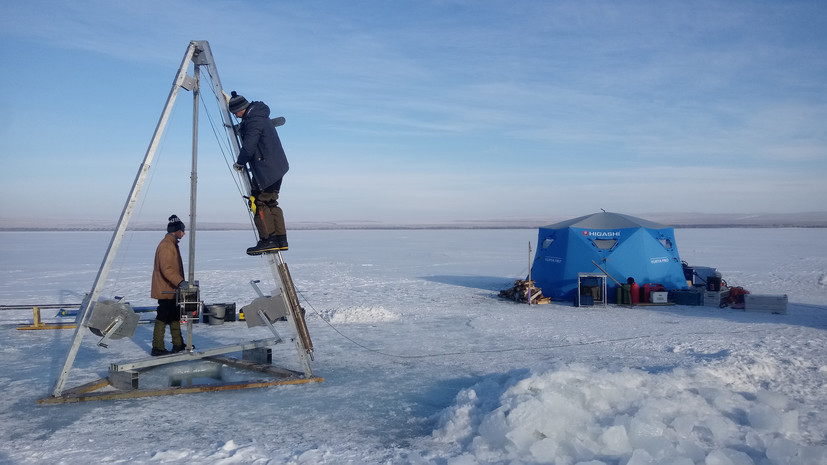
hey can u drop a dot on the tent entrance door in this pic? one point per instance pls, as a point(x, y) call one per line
point(591, 289)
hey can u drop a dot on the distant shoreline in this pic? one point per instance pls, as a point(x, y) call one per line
point(412, 228)
point(677, 220)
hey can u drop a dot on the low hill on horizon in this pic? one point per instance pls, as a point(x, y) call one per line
point(674, 219)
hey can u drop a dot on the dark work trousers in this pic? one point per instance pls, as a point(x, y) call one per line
point(269, 217)
point(168, 314)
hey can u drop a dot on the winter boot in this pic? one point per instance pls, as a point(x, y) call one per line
point(281, 240)
point(264, 246)
point(176, 349)
point(157, 352)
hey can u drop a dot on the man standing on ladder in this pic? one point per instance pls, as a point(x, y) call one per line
point(261, 148)
point(167, 276)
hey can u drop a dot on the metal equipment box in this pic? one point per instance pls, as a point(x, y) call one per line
point(765, 303)
point(715, 298)
point(658, 297)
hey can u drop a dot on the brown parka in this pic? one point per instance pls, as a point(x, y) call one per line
point(169, 268)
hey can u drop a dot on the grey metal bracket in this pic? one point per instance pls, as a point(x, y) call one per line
point(189, 82)
point(254, 283)
point(110, 330)
point(269, 324)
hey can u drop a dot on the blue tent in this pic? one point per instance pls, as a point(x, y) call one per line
point(624, 246)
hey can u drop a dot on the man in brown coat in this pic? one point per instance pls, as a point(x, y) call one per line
point(167, 276)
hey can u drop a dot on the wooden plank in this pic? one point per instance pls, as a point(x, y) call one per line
point(46, 326)
point(137, 393)
point(88, 387)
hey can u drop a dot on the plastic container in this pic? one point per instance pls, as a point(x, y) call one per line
point(686, 297)
point(622, 296)
point(216, 314)
point(619, 294)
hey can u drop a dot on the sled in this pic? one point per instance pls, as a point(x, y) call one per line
point(38, 324)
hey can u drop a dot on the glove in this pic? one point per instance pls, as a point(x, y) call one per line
point(184, 285)
point(238, 167)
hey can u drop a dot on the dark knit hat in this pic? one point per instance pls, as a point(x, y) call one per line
point(175, 224)
point(238, 102)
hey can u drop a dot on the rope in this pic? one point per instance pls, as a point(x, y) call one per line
point(226, 145)
point(516, 349)
point(120, 259)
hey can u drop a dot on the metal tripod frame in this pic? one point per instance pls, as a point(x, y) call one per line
point(199, 54)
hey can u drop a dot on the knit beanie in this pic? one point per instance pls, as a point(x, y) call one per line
point(175, 224)
point(237, 102)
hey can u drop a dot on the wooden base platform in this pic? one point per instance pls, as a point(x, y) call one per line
point(88, 392)
point(122, 382)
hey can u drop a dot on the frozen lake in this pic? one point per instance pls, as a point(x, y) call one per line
point(424, 364)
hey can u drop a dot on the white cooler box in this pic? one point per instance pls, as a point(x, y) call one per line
point(765, 303)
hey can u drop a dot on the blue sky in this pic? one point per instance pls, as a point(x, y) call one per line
point(425, 111)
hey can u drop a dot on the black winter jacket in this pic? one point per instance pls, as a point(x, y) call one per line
point(261, 147)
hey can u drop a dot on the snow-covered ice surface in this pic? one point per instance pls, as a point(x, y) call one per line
point(423, 364)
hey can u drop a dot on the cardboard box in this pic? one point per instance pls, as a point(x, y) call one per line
point(766, 303)
point(658, 297)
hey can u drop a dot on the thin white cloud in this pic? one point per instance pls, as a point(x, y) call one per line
point(451, 100)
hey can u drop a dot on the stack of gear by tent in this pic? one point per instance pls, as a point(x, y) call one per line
point(525, 291)
point(621, 246)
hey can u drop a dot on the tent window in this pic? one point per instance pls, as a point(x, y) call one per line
point(605, 244)
point(547, 242)
point(666, 243)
